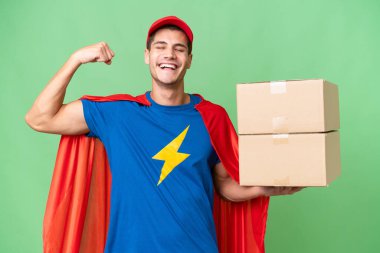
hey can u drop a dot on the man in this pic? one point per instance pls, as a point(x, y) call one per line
point(164, 165)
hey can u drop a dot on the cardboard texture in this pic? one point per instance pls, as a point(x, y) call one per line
point(299, 106)
point(286, 133)
point(289, 159)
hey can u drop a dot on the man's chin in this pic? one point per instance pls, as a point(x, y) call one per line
point(168, 82)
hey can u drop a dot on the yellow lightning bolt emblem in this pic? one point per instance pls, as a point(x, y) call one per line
point(171, 156)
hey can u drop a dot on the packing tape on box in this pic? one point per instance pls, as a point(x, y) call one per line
point(280, 138)
point(282, 182)
point(280, 124)
point(278, 87)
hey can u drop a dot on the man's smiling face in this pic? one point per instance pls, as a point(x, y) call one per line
point(168, 57)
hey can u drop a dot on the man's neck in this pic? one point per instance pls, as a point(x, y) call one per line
point(169, 96)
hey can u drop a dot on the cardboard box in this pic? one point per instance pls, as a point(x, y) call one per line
point(287, 107)
point(289, 159)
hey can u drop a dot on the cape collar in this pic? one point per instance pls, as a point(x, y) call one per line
point(141, 99)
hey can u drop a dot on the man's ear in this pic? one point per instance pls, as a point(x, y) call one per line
point(146, 56)
point(189, 60)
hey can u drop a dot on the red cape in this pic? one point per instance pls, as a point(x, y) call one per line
point(77, 211)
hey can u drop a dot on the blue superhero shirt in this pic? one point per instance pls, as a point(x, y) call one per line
point(161, 161)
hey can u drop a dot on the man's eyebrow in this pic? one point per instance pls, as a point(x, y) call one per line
point(159, 42)
point(180, 44)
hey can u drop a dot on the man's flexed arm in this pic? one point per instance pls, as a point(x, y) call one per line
point(48, 114)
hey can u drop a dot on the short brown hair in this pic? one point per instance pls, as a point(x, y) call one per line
point(170, 27)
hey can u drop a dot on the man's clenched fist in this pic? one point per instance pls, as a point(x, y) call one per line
point(99, 52)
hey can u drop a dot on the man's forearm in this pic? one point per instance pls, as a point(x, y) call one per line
point(232, 191)
point(51, 98)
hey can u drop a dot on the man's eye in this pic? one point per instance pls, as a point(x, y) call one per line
point(159, 47)
point(180, 50)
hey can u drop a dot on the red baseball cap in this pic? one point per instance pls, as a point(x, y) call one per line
point(170, 20)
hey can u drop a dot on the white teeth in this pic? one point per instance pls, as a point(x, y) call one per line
point(165, 65)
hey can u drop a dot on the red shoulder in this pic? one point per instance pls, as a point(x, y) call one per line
point(210, 108)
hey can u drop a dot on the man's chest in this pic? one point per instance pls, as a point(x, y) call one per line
point(167, 146)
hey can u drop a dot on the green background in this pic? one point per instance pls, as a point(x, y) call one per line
point(235, 41)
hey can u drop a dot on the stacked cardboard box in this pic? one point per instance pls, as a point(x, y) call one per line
point(288, 133)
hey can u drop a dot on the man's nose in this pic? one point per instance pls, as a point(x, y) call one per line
point(169, 53)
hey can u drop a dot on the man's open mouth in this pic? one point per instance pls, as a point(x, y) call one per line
point(168, 66)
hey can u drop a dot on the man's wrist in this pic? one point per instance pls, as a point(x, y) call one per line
point(74, 60)
point(259, 191)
